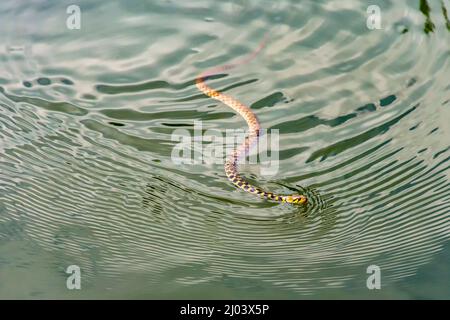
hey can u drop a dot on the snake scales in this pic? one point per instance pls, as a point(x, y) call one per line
point(254, 130)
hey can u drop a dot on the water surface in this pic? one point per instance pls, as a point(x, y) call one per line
point(87, 178)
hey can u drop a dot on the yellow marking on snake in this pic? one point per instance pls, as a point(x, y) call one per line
point(231, 164)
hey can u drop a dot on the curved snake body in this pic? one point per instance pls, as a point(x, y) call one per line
point(231, 164)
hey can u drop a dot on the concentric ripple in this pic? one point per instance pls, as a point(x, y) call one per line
point(86, 169)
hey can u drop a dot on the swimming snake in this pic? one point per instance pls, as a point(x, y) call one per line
point(254, 131)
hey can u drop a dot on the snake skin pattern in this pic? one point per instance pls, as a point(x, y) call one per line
point(231, 164)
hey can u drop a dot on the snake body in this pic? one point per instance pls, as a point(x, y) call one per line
point(254, 128)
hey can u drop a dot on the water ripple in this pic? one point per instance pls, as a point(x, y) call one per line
point(86, 174)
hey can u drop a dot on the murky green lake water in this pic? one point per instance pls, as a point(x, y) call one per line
point(87, 177)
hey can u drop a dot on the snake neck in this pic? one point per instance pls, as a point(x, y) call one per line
point(235, 178)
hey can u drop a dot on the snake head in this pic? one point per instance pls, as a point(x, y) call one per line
point(296, 199)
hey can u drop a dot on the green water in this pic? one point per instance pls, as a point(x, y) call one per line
point(87, 177)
